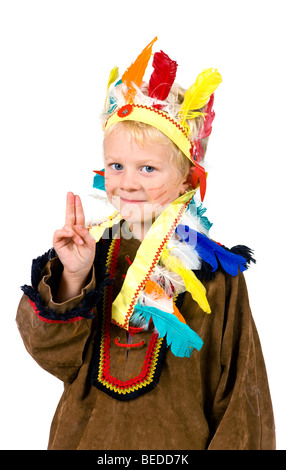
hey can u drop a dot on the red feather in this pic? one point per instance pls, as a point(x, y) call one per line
point(206, 128)
point(163, 76)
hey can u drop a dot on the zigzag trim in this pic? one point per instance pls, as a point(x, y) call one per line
point(166, 116)
point(152, 267)
point(151, 370)
point(117, 116)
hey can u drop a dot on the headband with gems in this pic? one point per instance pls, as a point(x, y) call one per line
point(131, 104)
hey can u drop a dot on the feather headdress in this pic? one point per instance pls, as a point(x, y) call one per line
point(155, 103)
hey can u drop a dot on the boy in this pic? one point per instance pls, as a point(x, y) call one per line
point(143, 317)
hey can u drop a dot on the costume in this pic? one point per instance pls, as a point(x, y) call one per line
point(159, 351)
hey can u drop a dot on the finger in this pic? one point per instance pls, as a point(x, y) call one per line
point(85, 235)
point(79, 213)
point(66, 234)
point(70, 209)
point(61, 234)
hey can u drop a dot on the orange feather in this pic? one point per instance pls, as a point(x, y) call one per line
point(136, 71)
point(152, 288)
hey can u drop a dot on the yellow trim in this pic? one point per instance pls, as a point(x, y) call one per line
point(148, 254)
point(134, 387)
point(150, 375)
point(146, 259)
point(97, 230)
point(159, 119)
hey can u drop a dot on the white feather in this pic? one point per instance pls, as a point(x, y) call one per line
point(171, 282)
point(163, 303)
point(185, 252)
point(117, 96)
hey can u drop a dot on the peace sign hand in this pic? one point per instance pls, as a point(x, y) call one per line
point(75, 248)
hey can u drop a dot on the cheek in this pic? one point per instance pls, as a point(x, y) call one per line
point(158, 196)
point(110, 192)
point(156, 193)
point(108, 184)
point(164, 193)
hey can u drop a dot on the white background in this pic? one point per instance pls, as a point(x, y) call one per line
point(55, 60)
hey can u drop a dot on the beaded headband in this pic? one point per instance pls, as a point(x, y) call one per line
point(126, 101)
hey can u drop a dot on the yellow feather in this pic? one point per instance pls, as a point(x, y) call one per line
point(192, 283)
point(114, 74)
point(198, 94)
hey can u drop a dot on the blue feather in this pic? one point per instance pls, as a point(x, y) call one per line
point(211, 252)
point(99, 182)
point(179, 336)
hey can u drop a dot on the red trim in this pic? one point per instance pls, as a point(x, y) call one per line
point(128, 345)
point(129, 107)
point(128, 260)
point(148, 361)
point(46, 320)
point(109, 218)
point(166, 116)
point(133, 330)
point(154, 263)
point(150, 357)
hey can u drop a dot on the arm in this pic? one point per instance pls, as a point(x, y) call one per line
point(55, 334)
point(54, 315)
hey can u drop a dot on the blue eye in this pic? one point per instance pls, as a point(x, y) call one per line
point(148, 169)
point(117, 166)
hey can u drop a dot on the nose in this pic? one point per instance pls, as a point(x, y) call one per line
point(129, 181)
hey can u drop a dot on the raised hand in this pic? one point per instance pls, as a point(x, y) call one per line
point(75, 248)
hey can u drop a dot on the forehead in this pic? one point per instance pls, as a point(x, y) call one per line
point(121, 143)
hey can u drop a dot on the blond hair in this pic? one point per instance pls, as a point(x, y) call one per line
point(143, 133)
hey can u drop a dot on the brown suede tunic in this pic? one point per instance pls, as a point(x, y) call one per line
point(216, 399)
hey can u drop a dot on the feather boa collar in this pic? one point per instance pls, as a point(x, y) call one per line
point(176, 264)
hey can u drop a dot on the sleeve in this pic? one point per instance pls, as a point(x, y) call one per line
point(241, 415)
point(55, 335)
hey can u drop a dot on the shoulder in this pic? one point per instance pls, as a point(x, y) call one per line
point(214, 257)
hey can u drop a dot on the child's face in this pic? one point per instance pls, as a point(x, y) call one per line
point(139, 181)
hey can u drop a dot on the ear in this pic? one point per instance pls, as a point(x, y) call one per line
point(186, 183)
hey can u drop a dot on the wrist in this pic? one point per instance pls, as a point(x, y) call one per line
point(77, 278)
point(71, 285)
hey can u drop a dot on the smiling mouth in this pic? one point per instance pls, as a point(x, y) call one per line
point(132, 201)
